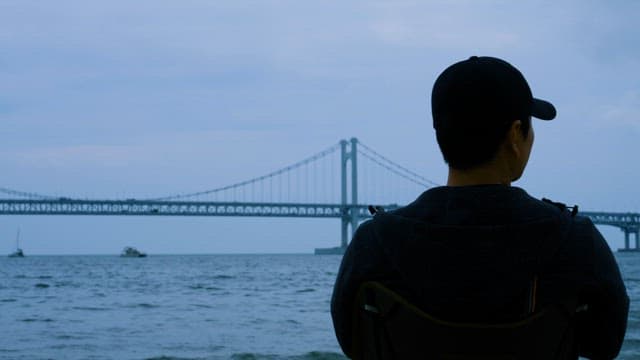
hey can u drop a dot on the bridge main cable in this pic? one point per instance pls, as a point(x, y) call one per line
point(29, 195)
point(283, 170)
point(395, 167)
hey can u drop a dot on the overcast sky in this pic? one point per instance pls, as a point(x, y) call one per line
point(125, 99)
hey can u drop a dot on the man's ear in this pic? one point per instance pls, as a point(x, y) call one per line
point(514, 137)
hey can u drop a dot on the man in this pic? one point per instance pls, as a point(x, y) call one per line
point(469, 251)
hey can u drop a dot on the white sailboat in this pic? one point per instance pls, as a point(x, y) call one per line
point(18, 252)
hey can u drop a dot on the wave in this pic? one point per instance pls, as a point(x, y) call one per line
point(41, 277)
point(60, 284)
point(70, 337)
point(204, 306)
point(165, 357)
point(204, 287)
point(145, 306)
point(306, 290)
point(36, 320)
point(223, 277)
point(313, 355)
point(90, 308)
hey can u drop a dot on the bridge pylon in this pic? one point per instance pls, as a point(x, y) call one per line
point(627, 234)
point(349, 211)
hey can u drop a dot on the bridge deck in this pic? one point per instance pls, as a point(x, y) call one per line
point(131, 207)
point(170, 208)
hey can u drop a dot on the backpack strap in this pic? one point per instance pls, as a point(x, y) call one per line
point(563, 207)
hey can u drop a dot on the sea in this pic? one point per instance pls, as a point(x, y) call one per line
point(188, 307)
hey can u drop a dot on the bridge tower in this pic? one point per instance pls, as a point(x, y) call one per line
point(628, 230)
point(349, 211)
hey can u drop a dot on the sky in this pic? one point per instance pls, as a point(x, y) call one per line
point(124, 99)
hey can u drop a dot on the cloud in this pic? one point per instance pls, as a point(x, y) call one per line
point(444, 26)
point(624, 112)
point(65, 157)
point(156, 164)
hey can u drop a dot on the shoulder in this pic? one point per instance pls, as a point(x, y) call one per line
point(580, 229)
point(535, 209)
point(547, 206)
point(562, 207)
point(584, 245)
point(581, 225)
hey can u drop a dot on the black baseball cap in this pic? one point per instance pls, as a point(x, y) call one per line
point(484, 90)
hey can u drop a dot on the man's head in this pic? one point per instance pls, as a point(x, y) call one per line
point(476, 104)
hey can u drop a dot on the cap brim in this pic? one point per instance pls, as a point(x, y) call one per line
point(543, 110)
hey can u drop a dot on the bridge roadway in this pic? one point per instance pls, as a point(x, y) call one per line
point(64, 206)
point(629, 223)
point(134, 207)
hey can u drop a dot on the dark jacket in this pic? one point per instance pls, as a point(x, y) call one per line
point(470, 253)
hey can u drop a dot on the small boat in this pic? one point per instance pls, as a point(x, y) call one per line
point(132, 252)
point(18, 252)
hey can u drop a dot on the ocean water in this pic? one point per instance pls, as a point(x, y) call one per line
point(187, 307)
point(167, 307)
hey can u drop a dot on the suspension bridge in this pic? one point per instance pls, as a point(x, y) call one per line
point(325, 185)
